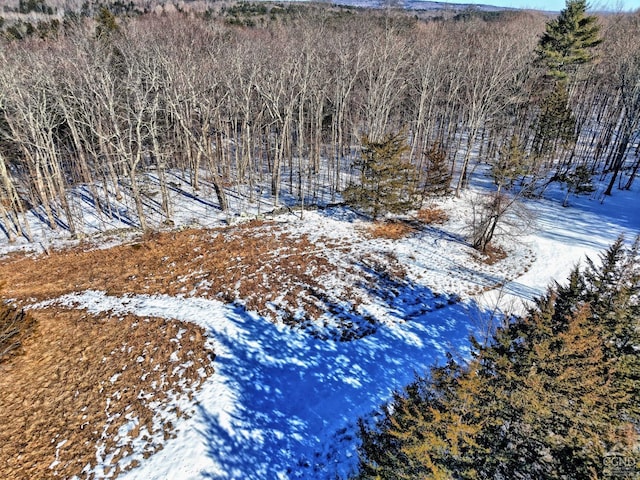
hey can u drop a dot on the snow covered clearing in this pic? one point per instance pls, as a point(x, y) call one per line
point(564, 237)
point(283, 402)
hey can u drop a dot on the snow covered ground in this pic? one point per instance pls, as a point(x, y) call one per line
point(563, 237)
point(281, 403)
point(284, 404)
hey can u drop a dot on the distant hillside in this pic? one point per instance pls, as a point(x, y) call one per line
point(12, 8)
point(421, 5)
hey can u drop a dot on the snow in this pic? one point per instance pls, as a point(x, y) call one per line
point(283, 404)
point(564, 237)
point(279, 399)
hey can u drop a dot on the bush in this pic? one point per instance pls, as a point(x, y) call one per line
point(15, 326)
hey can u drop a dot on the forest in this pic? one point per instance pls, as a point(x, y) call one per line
point(270, 100)
point(277, 336)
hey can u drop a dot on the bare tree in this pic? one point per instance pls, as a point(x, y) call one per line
point(498, 213)
point(492, 80)
point(626, 81)
point(286, 103)
point(33, 126)
point(384, 80)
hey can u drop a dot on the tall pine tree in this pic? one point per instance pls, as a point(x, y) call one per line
point(567, 43)
point(556, 125)
point(569, 39)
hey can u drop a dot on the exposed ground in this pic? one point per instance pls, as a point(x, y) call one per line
point(286, 272)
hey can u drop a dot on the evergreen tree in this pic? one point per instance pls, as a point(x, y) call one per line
point(437, 180)
point(386, 180)
point(106, 24)
point(569, 39)
point(614, 295)
point(432, 430)
point(578, 181)
point(567, 43)
point(510, 164)
point(547, 397)
point(556, 125)
point(557, 411)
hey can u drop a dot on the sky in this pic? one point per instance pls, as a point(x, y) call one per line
point(557, 5)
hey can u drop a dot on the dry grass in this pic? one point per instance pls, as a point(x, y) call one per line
point(81, 378)
point(432, 215)
point(492, 254)
point(15, 326)
point(385, 265)
point(57, 391)
point(392, 230)
point(254, 263)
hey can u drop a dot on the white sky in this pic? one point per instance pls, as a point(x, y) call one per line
point(557, 5)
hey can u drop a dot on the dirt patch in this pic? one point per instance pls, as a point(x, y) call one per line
point(492, 254)
point(432, 215)
point(90, 386)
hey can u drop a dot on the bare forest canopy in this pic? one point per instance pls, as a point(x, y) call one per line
point(274, 100)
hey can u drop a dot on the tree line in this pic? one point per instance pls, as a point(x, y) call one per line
point(114, 103)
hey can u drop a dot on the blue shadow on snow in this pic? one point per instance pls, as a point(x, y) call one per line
point(298, 397)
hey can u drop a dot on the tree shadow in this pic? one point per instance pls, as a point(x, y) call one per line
point(575, 224)
point(104, 206)
point(175, 187)
point(283, 404)
point(40, 214)
point(340, 321)
point(296, 398)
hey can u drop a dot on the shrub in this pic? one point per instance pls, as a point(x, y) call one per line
point(432, 215)
point(15, 326)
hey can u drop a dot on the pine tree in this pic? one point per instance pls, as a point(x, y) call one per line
point(386, 180)
point(437, 180)
point(614, 295)
point(432, 430)
point(558, 410)
point(567, 43)
point(547, 397)
point(510, 164)
point(556, 125)
point(569, 39)
point(577, 181)
point(106, 24)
